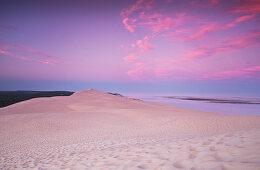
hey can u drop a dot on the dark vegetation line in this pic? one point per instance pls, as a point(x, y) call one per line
point(115, 94)
point(11, 97)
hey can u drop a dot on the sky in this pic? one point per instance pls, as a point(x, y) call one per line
point(151, 46)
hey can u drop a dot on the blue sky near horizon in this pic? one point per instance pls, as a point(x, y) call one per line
point(234, 89)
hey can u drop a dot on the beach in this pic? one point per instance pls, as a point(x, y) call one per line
point(96, 130)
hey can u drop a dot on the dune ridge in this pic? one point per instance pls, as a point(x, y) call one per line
point(97, 130)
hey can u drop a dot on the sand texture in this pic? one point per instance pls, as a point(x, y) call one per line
point(96, 130)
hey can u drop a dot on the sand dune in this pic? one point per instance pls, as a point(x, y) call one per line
point(96, 130)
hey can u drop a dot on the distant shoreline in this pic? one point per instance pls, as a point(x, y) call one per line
point(213, 100)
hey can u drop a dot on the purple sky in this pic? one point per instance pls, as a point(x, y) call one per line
point(115, 44)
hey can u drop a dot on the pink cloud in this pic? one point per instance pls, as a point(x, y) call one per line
point(25, 58)
point(27, 50)
point(140, 15)
point(244, 18)
point(138, 71)
point(45, 61)
point(193, 34)
point(144, 44)
point(3, 52)
point(125, 13)
point(25, 53)
point(202, 30)
point(198, 53)
point(129, 24)
point(240, 19)
point(139, 4)
point(156, 22)
point(248, 7)
point(157, 68)
point(246, 72)
point(247, 41)
point(130, 58)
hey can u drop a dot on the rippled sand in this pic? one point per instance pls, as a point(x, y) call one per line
point(96, 130)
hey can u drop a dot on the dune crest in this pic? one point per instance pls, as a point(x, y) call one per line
point(88, 92)
point(92, 129)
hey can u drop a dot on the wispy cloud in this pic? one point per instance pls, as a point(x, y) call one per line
point(131, 58)
point(201, 32)
point(157, 23)
point(247, 41)
point(246, 72)
point(138, 5)
point(138, 71)
point(238, 20)
point(141, 15)
point(129, 24)
point(144, 45)
point(22, 57)
point(32, 51)
point(247, 7)
point(26, 54)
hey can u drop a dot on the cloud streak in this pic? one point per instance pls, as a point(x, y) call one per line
point(238, 20)
point(129, 24)
point(25, 58)
point(138, 71)
point(247, 41)
point(246, 73)
point(130, 58)
point(16, 52)
point(247, 7)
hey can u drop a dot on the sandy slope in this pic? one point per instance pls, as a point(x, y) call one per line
point(97, 130)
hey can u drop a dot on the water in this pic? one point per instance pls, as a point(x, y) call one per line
point(223, 108)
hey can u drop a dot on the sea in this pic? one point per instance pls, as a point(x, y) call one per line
point(202, 105)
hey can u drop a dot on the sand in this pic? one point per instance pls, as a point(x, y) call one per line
point(96, 130)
